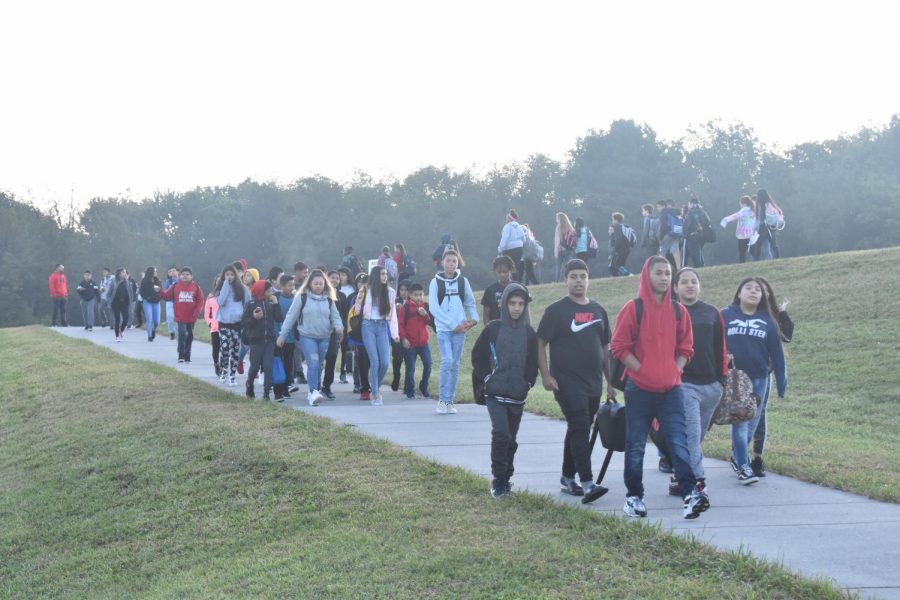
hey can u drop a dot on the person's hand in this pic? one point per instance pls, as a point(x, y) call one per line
point(611, 394)
point(783, 306)
point(279, 342)
point(396, 339)
point(461, 328)
point(550, 383)
point(258, 313)
point(273, 300)
point(422, 311)
point(406, 344)
point(156, 288)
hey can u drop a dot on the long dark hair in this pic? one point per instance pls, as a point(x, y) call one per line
point(402, 249)
point(379, 291)
point(763, 302)
point(237, 286)
point(148, 274)
point(774, 310)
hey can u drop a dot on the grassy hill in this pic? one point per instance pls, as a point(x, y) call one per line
point(119, 478)
point(838, 423)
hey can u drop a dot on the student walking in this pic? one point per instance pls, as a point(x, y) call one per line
point(563, 251)
point(703, 377)
point(232, 297)
point(450, 298)
point(503, 268)
point(379, 327)
point(337, 339)
point(88, 292)
point(696, 223)
point(769, 218)
point(357, 350)
point(671, 232)
point(171, 279)
point(210, 310)
point(413, 321)
point(753, 338)
point(260, 314)
point(649, 232)
point(285, 296)
point(150, 288)
point(188, 298)
point(505, 367)
point(577, 331)
point(746, 226)
point(59, 295)
point(314, 311)
point(398, 353)
point(654, 339)
point(621, 238)
point(120, 300)
point(512, 239)
point(106, 284)
point(582, 241)
point(347, 288)
point(405, 263)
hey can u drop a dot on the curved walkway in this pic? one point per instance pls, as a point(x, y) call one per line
point(813, 530)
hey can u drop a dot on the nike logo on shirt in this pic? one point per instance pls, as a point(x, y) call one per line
point(576, 328)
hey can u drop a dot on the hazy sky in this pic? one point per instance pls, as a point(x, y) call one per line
point(100, 97)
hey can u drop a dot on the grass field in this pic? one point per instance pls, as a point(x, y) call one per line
point(121, 478)
point(838, 423)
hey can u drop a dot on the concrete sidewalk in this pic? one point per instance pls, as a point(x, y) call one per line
point(810, 529)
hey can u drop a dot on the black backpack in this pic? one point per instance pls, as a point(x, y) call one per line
point(303, 305)
point(442, 289)
point(617, 367)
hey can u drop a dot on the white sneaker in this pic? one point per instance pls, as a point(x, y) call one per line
point(222, 378)
point(441, 408)
point(232, 382)
point(451, 408)
point(377, 401)
point(314, 397)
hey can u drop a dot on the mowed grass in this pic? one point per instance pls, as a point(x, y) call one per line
point(120, 478)
point(837, 425)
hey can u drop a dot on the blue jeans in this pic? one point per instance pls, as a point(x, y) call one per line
point(185, 340)
point(409, 385)
point(640, 408)
point(171, 327)
point(315, 350)
point(763, 250)
point(742, 433)
point(450, 345)
point(376, 335)
point(151, 317)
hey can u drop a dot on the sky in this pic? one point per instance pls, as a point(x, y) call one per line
point(121, 99)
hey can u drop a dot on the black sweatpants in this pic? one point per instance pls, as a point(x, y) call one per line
point(120, 317)
point(261, 355)
point(216, 346)
point(505, 420)
point(287, 357)
point(579, 410)
point(334, 346)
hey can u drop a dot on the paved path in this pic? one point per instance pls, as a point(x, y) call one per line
point(810, 529)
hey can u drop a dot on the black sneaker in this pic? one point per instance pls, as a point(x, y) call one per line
point(266, 396)
point(696, 502)
point(674, 487)
point(746, 476)
point(734, 466)
point(327, 393)
point(665, 466)
point(592, 491)
point(249, 392)
point(293, 389)
point(171, 336)
point(758, 466)
point(181, 360)
point(499, 488)
point(395, 385)
point(356, 389)
point(568, 486)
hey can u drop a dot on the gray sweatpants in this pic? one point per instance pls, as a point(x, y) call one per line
point(699, 404)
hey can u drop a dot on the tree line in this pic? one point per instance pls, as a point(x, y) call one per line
point(840, 194)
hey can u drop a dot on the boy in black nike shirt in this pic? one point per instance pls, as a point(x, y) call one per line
point(577, 330)
point(503, 268)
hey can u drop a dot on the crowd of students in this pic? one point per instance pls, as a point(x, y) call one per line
point(675, 353)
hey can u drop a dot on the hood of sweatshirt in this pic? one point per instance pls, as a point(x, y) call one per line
point(259, 290)
point(445, 279)
point(525, 319)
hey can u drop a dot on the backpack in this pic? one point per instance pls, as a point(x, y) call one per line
point(533, 251)
point(676, 225)
point(303, 305)
point(630, 235)
point(593, 246)
point(390, 265)
point(617, 367)
point(653, 230)
point(409, 265)
point(352, 262)
point(442, 289)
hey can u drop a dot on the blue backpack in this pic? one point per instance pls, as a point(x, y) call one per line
point(676, 225)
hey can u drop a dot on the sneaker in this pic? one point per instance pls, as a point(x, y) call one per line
point(377, 400)
point(293, 389)
point(674, 487)
point(181, 360)
point(343, 379)
point(365, 396)
point(758, 466)
point(634, 506)
point(119, 339)
point(734, 466)
point(567, 485)
point(240, 367)
point(314, 398)
point(266, 396)
point(425, 395)
point(696, 502)
point(592, 491)
point(499, 488)
point(222, 378)
point(451, 408)
point(171, 336)
point(249, 393)
point(410, 396)
point(746, 476)
point(395, 385)
point(355, 389)
point(441, 407)
point(232, 382)
point(665, 466)
point(327, 393)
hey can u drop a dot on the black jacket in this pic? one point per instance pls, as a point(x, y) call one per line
point(147, 291)
point(258, 331)
point(482, 362)
point(88, 290)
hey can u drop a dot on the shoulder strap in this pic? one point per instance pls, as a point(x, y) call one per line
point(441, 290)
point(677, 308)
point(405, 314)
point(302, 306)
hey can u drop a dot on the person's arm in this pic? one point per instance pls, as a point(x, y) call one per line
point(198, 304)
point(469, 302)
point(481, 355)
point(776, 352)
point(290, 319)
point(720, 349)
point(504, 238)
point(433, 301)
point(402, 325)
point(550, 382)
point(684, 341)
point(392, 322)
point(623, 338)
point(732, 217)
point(531, 358)
point(335, 315)
point(224, 294)
point(787, 326)
point(166, 294)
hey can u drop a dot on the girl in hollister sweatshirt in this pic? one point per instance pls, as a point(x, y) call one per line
point(754, 339)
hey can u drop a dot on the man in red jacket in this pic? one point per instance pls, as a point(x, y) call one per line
point(654, 340)
point(188, 299)
point(413, 320)
point(59, 295)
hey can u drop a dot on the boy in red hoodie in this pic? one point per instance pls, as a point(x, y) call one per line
point(59, 294)
point(413, 320)
point(188, 299)
point(654, 349)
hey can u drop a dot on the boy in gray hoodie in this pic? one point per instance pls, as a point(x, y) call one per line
point(504, 369)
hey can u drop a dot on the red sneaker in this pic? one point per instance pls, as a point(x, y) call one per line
point(240, 367)
point(365, 396)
